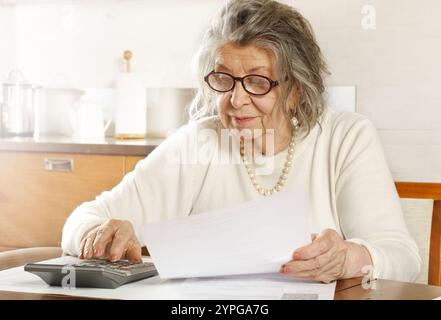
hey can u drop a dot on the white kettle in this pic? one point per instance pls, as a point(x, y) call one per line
point(88, 121)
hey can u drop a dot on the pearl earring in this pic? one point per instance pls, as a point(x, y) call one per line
point(295, 122)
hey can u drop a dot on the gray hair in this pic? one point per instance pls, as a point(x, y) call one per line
point(280, 28)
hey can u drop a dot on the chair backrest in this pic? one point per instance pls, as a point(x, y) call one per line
point(429, 242)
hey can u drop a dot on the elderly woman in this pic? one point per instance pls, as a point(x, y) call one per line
point(261, 78)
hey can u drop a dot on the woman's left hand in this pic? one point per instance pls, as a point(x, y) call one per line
point(327, 258)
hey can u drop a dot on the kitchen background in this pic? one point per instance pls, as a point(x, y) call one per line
point(395, 67)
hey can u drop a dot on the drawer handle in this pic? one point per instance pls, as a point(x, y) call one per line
point(58, 164)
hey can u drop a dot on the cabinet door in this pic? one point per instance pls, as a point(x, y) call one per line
point(131, 162)
point(36, 197)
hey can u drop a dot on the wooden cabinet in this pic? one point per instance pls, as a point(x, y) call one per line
point(131, 162)
point(38, 191)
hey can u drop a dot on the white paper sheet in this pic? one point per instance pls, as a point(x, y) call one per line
point(255, 287)
point(253, 237)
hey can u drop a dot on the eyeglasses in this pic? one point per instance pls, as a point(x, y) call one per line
point(253, 84)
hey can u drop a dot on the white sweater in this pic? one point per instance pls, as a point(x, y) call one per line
point(343, 167)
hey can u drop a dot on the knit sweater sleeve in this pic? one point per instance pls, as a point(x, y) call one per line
point(160, 187)
point(368, 205)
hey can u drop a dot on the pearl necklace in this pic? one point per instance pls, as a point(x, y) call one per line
point(282, 178)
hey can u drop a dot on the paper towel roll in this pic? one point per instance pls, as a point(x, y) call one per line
point(131, 106)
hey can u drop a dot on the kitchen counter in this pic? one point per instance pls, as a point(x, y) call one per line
point(62, 144)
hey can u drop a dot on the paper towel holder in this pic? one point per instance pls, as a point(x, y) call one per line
point(130, 115)
point(127, 57)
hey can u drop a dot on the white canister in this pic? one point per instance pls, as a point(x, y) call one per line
point(166, 110)
point(88, 120)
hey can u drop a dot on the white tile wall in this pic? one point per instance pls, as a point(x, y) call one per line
point(397, 71)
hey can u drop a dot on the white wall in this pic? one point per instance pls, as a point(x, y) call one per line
point(7, 39)
point(81, 42)
point(396, 67)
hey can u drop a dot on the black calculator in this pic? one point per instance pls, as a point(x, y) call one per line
point(93, 273)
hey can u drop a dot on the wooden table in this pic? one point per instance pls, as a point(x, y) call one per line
point(385, 290)
point(350, 289)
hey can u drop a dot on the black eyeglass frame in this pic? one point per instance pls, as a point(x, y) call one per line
point(273, 83)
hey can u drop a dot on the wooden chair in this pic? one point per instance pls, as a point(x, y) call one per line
point(416, 190)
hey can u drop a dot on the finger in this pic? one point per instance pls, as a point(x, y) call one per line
point(319, 246)
point(88, 246)
point(313, 236)
point(316, 275)
point(83, 240)
point(106, 253)
point(133, 252)
point(309, 274)
point(330, 269)
point(318, 263)
point(120, 243)
point(82, 243)
point(322, 277)
point(294, 267)
point(103, 237)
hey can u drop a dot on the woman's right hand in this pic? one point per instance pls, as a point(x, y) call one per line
point(113, 240)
